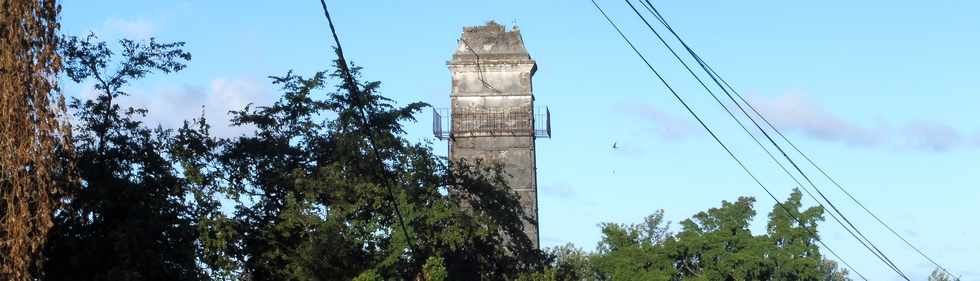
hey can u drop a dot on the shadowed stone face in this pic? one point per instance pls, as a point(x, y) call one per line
point(492, 109)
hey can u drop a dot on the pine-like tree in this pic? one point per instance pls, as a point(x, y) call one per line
point(328, 188)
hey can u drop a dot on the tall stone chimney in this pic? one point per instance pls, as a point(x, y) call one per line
point(492, 113)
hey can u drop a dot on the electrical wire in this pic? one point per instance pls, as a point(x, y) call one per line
point(713, 135)
point(866, 242)
point(349, 80)
point(714, 74)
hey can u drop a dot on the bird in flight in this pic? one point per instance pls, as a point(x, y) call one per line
point(614, 148)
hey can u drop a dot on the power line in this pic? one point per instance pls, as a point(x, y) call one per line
point(742, 126)
point(353, 89)
point(835, 182)
point(714, 74)
point(715, 137)
point(873, 248)
point(878, 253)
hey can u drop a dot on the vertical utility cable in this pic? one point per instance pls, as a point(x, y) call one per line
point(355, 92)
point(866, 242)
point(710, 132)
point(756, 112)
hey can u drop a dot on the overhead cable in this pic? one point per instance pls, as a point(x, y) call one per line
point(765, 120)
point(850, 227)
point(712, 133)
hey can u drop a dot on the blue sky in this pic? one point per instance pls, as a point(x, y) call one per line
point(881, 93)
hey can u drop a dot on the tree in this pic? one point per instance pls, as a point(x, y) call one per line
point(434, 270)
point(712, 245)
point(129, 217)
point(327, 188)
point(572, 263)
point(939, 275)
point(33, 133)
point(717, 245)
point(832, 272)
point(634, 252)
point(793, 235)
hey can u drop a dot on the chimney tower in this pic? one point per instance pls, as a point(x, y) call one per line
point(492, 115)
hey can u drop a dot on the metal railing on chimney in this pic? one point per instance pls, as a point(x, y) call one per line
point(491, 122)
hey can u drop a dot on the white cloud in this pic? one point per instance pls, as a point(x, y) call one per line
point(797, 113)
point(662, 123)
point(931, 136)
point(564, 192)
point(170, 107)
point(561, 190)
point(139, 28)
point(975, 140)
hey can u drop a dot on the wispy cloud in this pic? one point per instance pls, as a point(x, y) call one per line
point(796, 113)
point(931, 136)
point(170, 107)
point(664, 124)
point(560, 190)
point(139, 28)
point(563, 191)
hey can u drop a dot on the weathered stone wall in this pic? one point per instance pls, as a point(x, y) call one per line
point(516, 154)
point(492, 109)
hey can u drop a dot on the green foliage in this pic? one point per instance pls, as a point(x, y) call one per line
point(712, 245)
point(434, 269)
point(548, 274)
point(831, 272)
point(628, 252)
point(129, 218)
point(571, 263)
point(319, 187)
point(795, 253)
point(939, 275)
point(319, 190)
point(369, 275)
point(327, 188)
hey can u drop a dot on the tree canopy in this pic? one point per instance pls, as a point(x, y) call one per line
point(128, 217)
point(712, 245)
point(327, 187)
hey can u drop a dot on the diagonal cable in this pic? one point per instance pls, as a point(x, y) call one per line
point(756, 112)
point(865, 242)
point(354, 91)
point(710, 132)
